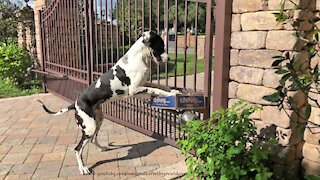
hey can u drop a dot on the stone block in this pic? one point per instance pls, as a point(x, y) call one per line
point(315, 60)
point(288, 137)
point(248, 40)
point(311, 152)
point(288, 171)
point(315, 115)
point(264, 20)
point(271, 79)
point(232, 102)
point(254, 94)
point(233, 86)
point(272, 115)
point(234, 56)
point(312, 134)
point(239, 6)
point(276, 4)
point(258, 58)
point(235, 23)
point(316, 100)
point(280, 40)
point(246, 75)
point(310, 167)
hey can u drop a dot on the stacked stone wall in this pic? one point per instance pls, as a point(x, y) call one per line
point(257, 37)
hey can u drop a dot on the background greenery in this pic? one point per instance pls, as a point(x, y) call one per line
point(171, 16)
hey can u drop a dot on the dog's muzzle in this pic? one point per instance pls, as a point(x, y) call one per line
point(163, 58)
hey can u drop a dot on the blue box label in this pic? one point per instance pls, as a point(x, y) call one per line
point(178, 102)
point(190, 101)
point(164, 101)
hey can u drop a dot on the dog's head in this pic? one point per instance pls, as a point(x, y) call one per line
point(155, 42)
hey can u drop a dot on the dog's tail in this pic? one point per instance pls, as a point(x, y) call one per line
point(59, 112)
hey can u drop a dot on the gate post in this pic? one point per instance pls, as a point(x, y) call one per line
point(208, 57)
point(222, 54)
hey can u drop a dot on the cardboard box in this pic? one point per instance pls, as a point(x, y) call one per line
point(179, 102)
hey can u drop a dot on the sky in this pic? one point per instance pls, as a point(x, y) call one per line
point(30, 3)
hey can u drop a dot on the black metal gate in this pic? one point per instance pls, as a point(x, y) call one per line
point(82, 39)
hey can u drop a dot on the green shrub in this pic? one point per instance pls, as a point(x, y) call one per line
point(9, 89)
point(228, 149)
point(14, 62)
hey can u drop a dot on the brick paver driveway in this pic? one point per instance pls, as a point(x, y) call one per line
point(35, 145)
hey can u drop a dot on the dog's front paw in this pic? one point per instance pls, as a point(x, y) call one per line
point(174, 92)
point(84, 170)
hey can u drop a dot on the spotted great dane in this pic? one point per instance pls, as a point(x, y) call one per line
point(125, 79)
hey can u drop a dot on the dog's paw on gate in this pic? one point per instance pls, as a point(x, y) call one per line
point(174, 92)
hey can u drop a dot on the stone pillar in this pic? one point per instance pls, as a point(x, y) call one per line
point(38, 5)
point(257, 37)
point(311, 147)
point(22, 40)
point(26, 32)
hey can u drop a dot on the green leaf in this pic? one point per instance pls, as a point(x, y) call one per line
point(302, 132)
point(275, 97)
point(277, 62)
point(281, 71)
point(278, 57)
point(284, 79)
point(308, 112)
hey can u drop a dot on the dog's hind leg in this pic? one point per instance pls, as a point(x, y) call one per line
point(88, 127)
point(78, 150)
point(99, 119)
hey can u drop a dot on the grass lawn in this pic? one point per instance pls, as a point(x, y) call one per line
point(180, 66)
point(9, 90)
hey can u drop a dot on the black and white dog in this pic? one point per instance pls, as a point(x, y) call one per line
point(125, 79)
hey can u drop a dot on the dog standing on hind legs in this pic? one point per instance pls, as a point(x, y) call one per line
point(125, 79)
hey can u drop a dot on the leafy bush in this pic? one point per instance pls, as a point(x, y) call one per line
point(14, 62)
point(9, 89)
point(228, 149)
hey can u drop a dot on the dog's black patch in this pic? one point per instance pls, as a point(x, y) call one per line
point(156, 44)
point(121, 74)
point(84, 137)
point(79, 121)
point(119, 91)
point(92, 96)
point(143, 91)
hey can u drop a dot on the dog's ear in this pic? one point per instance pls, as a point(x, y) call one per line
point(147, 36)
